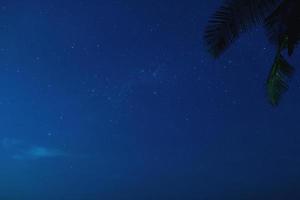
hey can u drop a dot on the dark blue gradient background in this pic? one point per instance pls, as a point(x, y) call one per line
point(126, 90)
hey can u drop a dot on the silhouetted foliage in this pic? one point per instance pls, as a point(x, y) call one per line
point(281, 20)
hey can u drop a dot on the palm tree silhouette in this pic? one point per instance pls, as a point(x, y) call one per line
point(280, 18)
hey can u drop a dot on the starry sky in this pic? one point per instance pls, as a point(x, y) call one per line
point(119, 100)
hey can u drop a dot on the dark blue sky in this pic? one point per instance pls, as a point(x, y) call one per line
point(119, 100)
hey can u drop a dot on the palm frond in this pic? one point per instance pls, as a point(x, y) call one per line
point(284, 22)
point(233, 18)
point(277, 80)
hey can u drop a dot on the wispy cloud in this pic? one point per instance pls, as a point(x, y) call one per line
point(20, 150)
point(37, 152)
point(9, 143)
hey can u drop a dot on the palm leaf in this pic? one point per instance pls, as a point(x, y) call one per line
point(233, 18)
point(277, 80)
point(284, 22)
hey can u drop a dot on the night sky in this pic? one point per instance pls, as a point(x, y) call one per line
point(119, 100)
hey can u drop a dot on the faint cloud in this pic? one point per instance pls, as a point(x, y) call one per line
point(8, 143)
point(37, 152)
point(20, 150)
